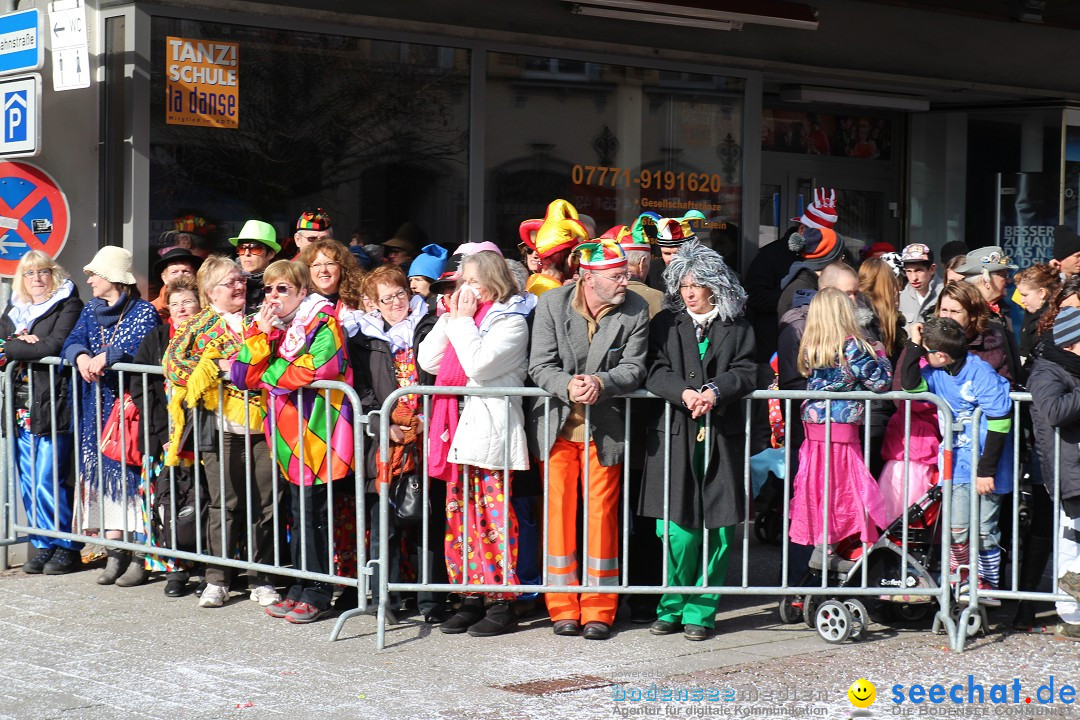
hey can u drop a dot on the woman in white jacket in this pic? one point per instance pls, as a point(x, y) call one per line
point(482, 341)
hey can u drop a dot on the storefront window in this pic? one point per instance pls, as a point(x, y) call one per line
point(259, 123)
point(613, 140)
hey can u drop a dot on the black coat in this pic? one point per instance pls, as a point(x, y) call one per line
point(52, 329)
point(1055, 403)
point(674, 366)
point(154, 416)
point(374, 377)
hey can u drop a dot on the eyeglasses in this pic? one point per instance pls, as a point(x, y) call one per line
point(232, 283)
point(43, 272)
point(250, 249)
point(280, 289)
point(693, 286)
point(326, 265)
point(618, 279)
point(183, 304)
point(390, 299)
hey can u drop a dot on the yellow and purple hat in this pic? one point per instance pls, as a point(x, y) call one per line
point(316, 220)
point(561, 229)
point(601, 255)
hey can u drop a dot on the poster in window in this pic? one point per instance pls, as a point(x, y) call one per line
point(202, 85)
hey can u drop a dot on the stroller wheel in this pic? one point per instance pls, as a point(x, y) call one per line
point(790, 613)
point(860, 617)
point(913, 612)
point(810, 605)
point(833, 622)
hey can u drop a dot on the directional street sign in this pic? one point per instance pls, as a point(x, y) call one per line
point(70, 56)
point(20, 111)
point(33, 214)
point(22, 48)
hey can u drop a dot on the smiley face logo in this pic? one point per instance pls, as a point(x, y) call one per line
point(862, 693)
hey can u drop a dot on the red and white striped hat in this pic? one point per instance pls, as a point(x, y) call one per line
point(821, 213)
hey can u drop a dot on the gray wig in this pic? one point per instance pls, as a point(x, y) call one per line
point(709, 269)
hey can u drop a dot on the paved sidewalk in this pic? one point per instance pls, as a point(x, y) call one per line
point(72, 649)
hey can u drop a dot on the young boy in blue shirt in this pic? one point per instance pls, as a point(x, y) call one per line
point(965, 382)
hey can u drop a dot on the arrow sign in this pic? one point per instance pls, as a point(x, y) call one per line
point(5, 244)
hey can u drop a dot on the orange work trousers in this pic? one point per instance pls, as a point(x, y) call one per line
point(566, 477)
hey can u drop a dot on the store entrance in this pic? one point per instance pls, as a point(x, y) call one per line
point(866, 203)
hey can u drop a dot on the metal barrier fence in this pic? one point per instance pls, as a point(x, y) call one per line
point(957, 619)
point(945, 618)
point(136, 536)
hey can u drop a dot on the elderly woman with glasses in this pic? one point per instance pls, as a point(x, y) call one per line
point(296, 340)
point(44, 308)
point(701, 360)
point(202, 348)
point(384, 355)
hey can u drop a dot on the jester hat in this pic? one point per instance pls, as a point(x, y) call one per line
point(644, 228)
point(560, 230)
point(672, 232)
point(624, 237)
point(601, 255)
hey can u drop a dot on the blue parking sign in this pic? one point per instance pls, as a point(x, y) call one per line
point(15, 116)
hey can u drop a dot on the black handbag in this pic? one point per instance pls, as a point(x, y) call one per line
point(407, 498)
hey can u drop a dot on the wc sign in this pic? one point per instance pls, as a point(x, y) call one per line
point(20, 105)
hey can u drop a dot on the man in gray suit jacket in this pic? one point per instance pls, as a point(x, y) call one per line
point(588, 347)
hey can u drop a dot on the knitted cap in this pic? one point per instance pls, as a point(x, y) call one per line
point(602, 255)
point(821, 213)
point(817, 247)
point(1066, 242)
point(561, 229)
point(316, 219)
point(1067, 327)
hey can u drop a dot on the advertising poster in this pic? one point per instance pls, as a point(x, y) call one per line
point(1029, 212)
point(203, 83)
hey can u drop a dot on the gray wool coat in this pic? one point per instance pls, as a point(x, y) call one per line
point(561, 349)
point(715, 496)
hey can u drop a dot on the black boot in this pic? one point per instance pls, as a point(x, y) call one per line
point(1036, 552)
point(115, 567)
point(34, 565)
point(470, 613)
point(500, 618)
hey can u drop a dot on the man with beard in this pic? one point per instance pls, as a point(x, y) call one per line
point(588, 348)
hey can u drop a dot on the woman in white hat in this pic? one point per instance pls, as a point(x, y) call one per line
point(110, 329)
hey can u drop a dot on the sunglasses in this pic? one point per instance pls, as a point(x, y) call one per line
point(250, 249)
point(279, 289)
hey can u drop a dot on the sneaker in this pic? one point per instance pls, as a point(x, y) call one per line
point(213, 596)
point(265, 595)
point(62, 562)
point(1067, 631)
point(304, 613)
point(281, 608)
point(36, 564)
point(1069, 582)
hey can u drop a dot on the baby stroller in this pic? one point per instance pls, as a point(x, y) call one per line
point(838, 618)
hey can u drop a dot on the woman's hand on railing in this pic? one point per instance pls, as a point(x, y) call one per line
point(91, 368)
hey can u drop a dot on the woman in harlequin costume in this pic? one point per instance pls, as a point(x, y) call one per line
point(701, 360)
point(295, 341)
point(553, 238)
point(483, 341)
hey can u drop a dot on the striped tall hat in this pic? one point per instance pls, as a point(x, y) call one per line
point(560, 230)
point(821, 213)
point(601, 255)
point(672, 232)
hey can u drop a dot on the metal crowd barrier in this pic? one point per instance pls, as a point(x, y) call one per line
point(945, 618)
point(137, 542)
point(957, 620)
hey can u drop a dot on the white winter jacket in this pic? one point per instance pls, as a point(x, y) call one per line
point(496, 354)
